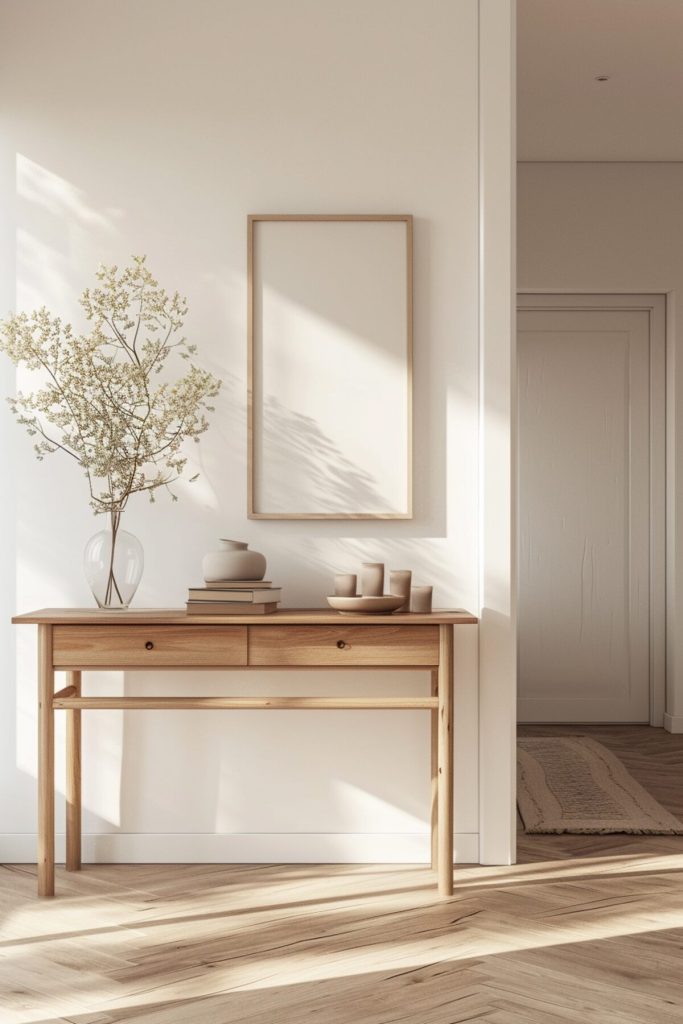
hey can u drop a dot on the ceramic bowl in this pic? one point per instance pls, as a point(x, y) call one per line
point(384, 605)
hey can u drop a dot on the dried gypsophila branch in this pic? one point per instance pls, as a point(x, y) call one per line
point(99, 402)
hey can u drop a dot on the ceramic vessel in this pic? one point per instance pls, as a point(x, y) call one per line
point(113, 561)
point(372, 579)
point(399, 584)
point(345, 584)
point(421, 599)
point(384, 605)
point(233, 561)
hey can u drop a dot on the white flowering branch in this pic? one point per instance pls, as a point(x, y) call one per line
point(103, 399)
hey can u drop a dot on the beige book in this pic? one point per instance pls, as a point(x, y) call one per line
point(236, 596)
point(236, 585)
point(229, 608)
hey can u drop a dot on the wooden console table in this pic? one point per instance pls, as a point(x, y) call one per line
point(73, 640)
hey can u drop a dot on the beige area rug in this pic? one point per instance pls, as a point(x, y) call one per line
point(575, 784)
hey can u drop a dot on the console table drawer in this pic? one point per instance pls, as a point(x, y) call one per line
point(344, 645)
point(149, 646)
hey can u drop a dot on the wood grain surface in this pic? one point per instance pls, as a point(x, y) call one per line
point(582, 929)
point(343, 645)
point(148, 646)
point(292, 616)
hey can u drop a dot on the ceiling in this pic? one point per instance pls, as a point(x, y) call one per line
point(564, 114)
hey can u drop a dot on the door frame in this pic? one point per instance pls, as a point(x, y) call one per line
point(655, 306)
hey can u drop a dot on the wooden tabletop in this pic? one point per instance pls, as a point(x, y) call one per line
point(283, 617)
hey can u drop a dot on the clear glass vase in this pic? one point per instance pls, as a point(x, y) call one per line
point(113, 561)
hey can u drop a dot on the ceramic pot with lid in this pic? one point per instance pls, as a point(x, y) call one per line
point(233, 561)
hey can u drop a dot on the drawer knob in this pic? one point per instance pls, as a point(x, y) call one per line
point(341, 644)
point(149, 645)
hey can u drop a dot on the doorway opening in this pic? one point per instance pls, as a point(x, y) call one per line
point(591, 546)
point(592, 559)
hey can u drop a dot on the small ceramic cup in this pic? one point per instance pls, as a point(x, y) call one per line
point(421, 599)
point(372, 579)
point(399, 586)
point(345, 584)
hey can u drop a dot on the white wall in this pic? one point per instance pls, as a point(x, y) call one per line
point(618, 227)
point(157, 127)
point(497, 436)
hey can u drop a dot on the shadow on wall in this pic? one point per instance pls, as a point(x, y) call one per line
point(307, 471)
point(56, 226)
point(62, 235)
point(248, 772)
point(303, 555)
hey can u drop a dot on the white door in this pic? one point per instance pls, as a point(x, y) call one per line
point(584, 515)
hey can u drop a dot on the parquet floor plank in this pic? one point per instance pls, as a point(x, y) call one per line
point(582, 929)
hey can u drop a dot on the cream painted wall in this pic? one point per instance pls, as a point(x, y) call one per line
point(157, 127)
point(618, 227)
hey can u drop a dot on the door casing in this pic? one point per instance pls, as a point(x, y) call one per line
point(655, 306)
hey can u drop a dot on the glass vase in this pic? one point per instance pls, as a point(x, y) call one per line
point(113, 561)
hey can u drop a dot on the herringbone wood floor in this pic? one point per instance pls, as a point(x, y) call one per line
point(582, 929)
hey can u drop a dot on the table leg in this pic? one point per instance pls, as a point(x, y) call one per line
point(434, 750)
point(73, 779)
point(46, 764)
point(445, 757)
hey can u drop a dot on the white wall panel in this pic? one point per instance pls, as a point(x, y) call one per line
point(156, 128)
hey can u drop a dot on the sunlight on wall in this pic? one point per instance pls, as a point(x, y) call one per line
point(55, 196)
point(182, 196)
point(331, 413)
point(351, 800)
point(57, 227)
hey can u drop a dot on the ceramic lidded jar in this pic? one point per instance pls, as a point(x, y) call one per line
point(233, 561)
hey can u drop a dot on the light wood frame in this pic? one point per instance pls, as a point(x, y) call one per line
point(252, 220)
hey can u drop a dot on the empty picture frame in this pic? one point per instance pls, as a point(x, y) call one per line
point(330, 366)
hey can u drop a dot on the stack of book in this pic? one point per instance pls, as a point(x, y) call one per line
point(234, 597)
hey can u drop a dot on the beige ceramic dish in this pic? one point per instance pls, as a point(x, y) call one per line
point(366, 605)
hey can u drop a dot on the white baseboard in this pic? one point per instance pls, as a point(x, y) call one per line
point(673, 723)
point(246, 848)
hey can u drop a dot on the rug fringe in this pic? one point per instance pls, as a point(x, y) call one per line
point(600, 831)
